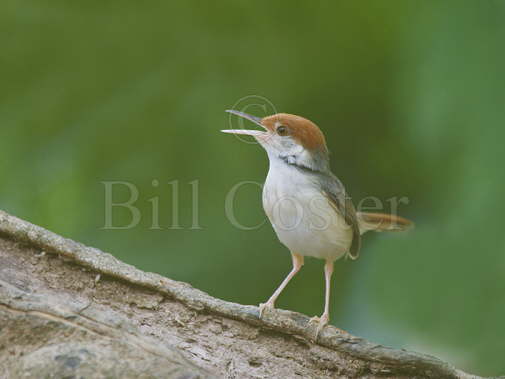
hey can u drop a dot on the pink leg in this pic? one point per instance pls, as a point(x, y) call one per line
point(328, 271)
point(297, 265)
point(325, 317)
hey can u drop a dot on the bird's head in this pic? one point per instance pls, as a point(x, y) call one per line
point(290, 138)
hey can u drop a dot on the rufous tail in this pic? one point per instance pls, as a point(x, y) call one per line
point(380, 222)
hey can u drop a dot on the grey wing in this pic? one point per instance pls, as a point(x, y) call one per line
point(335, 192)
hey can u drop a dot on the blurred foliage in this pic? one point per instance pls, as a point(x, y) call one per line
point(409, 93)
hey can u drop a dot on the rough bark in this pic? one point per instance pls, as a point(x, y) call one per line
point(67, 310)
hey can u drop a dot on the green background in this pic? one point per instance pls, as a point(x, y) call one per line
point(410, 94)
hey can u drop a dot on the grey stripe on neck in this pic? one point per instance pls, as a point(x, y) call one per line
point(290, 161)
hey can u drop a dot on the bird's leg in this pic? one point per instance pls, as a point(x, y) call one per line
point(325, 317)
point(297, 265)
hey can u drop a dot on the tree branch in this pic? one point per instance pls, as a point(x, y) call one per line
point(69, 309)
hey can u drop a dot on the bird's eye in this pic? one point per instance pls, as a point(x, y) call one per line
point(282, 130)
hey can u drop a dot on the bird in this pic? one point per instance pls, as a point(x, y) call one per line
point(307, 205)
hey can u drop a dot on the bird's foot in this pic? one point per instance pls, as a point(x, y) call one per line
point(321, 323)
point(265, 306)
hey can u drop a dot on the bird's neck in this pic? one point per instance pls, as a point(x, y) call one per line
point(304, 161)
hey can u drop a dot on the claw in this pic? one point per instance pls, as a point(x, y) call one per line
point(263, 306)
point(321, 323)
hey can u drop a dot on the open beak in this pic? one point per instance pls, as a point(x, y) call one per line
point(256, 120)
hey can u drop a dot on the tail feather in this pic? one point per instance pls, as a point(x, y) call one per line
point(380, 222)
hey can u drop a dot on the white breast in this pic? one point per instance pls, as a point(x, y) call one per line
point(302, 216)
